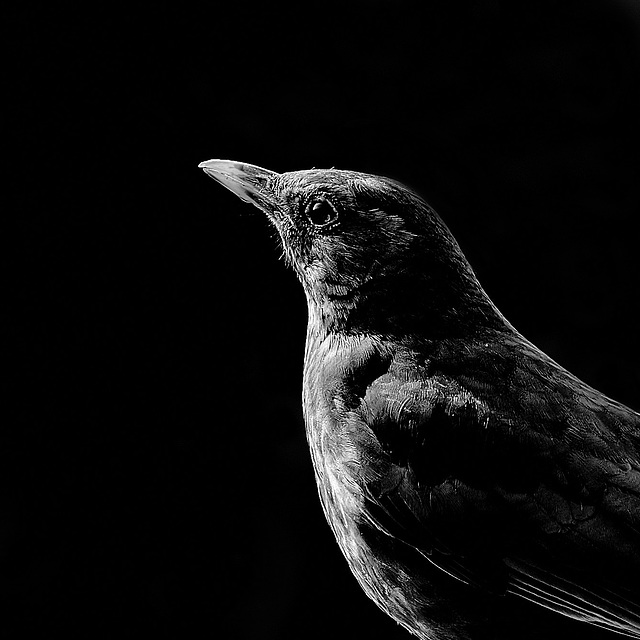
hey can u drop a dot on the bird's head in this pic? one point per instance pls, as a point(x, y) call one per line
point(370, 254)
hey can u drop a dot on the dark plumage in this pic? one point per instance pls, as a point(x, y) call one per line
point(461, 469)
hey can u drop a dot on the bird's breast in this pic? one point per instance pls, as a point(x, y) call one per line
point(334, 452)
point(341, 460)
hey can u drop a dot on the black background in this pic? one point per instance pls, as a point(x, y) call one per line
point(156, 481)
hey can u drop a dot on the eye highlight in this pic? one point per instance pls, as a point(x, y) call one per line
point(321, 212)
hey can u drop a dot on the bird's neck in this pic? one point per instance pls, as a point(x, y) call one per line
point(399, 308)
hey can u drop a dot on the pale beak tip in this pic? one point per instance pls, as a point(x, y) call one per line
point(207, 164)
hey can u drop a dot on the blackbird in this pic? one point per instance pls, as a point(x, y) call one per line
point(467, 477)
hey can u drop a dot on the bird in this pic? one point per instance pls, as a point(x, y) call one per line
point(477, 489)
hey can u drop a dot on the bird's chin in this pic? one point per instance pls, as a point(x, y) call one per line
point(267, 207)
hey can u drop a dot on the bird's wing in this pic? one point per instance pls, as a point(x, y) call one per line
point(527, 482)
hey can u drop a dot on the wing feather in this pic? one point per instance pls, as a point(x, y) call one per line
point(612, 611)
point(515, 478)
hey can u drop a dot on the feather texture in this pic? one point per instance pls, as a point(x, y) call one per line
point(465, 474)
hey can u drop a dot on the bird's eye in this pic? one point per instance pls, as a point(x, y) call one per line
point(321, 212)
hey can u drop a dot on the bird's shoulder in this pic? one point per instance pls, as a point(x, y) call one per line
point(442, 408)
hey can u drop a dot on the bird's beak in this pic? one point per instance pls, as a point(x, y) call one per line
point(247, 181)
